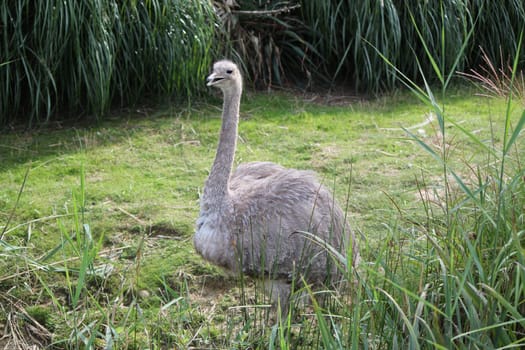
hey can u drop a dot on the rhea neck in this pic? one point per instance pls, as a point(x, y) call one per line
point(217, 185)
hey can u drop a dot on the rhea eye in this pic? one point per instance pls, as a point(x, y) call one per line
point(229, 71)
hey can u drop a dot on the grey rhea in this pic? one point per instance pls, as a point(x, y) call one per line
point(250, 219)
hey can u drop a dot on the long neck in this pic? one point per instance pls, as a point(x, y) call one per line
point(218, 180)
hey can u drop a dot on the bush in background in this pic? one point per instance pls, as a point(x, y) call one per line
point(306, 41)
point(81, 57)
point(349, 34)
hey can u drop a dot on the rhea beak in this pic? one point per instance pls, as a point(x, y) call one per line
point(213, 79)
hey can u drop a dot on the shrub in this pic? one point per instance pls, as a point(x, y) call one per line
point(349, 35)
point(83, 56)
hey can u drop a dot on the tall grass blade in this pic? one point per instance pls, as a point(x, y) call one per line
point(507, 143)
point(491, 327)
point(475, 139)
point(327, 337)
point(413, 338)
point(12, 213)
point(338, 256)
point(515, 134)
point(508, 307)
point(430, 57)
point(407, 292)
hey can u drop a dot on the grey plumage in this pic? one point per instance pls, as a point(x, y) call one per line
point(249, 218)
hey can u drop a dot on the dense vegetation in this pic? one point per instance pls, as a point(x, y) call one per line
point(96, 221)
point(84, 57)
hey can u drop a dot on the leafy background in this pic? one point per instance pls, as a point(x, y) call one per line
point(62, 59)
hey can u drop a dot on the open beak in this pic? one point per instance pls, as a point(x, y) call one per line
point(213, 79)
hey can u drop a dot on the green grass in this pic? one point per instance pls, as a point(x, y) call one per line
point(98, 250)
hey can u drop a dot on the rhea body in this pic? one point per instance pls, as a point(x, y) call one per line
point(250, 218)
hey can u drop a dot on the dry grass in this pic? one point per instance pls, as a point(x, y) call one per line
point(497, 79)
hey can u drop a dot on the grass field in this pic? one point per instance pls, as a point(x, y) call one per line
point(96, 223)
